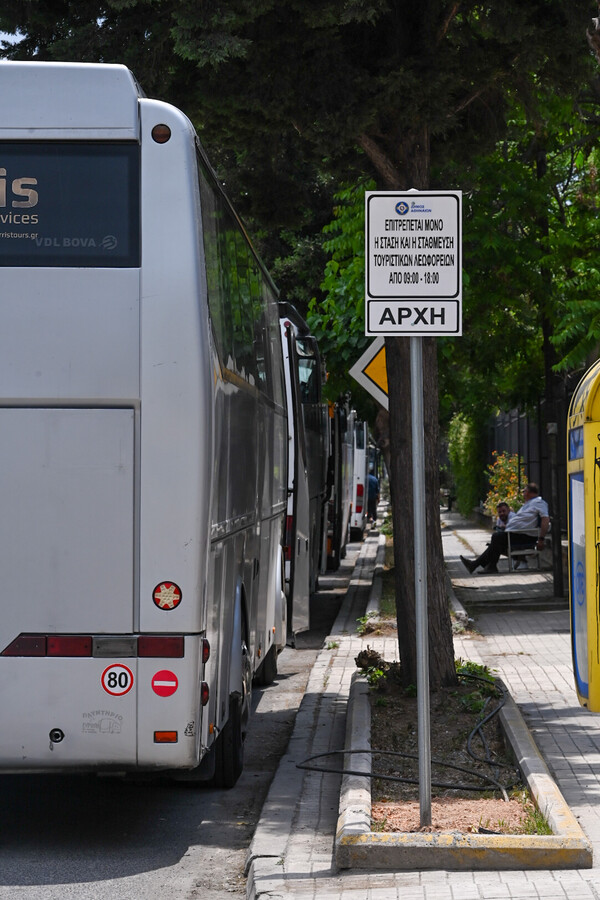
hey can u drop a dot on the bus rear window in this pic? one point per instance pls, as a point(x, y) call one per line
point(69, 204)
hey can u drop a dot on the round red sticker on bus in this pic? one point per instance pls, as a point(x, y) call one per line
point(167, 595)
point(164, 683)
point(117, 680)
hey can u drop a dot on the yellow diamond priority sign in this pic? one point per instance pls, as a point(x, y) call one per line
point(371, 371)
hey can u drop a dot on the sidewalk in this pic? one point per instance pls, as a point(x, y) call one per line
point(292, 851)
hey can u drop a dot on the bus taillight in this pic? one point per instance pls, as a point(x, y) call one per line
point(154, 646)
point(360, 493)
point(205, 651)
point(165, 737)
point(204, 693)
point(26, 645)
point(69, 645)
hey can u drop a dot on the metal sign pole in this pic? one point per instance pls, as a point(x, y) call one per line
point(418, 465)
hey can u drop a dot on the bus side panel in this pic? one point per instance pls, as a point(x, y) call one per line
point(66, 530)
point(168, 692)
point(271, 614)
point(85, 341)
point(38, 696)
point(176, 378)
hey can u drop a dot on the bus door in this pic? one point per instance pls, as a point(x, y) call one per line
point(299, 522)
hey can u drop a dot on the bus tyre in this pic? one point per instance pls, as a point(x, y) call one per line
point(268, 671)
point(230, 747)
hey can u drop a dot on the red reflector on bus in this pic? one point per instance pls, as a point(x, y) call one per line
point(161, 134)
point(69, 645)
point(27, 645)
point(287, 549)
point(165, 737)
point(204, 693)
point(152, 645)
point(205, 650)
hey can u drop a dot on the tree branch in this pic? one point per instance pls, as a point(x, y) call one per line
point(593, 37)
point(381, 161)
point(446, 25)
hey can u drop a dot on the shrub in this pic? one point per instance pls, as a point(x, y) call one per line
point(465, 450)
point(506, 475)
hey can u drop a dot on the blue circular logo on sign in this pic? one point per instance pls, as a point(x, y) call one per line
point(579, 583)
point(402, 207)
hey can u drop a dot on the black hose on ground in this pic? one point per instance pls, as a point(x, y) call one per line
point(488, 780)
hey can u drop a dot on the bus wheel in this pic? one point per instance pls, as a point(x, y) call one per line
point(230, 747)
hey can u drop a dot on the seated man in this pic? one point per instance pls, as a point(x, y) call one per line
point(533, 512)
point(504, 516)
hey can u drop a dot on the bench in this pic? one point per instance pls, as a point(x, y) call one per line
point(518, 553)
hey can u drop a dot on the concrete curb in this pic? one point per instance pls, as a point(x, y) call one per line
point(357, 847)
point(375, 593)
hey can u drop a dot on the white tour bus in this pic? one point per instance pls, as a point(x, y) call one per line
point(361, 480)
point(308, 449)
point(340, 480)
point(143, 435)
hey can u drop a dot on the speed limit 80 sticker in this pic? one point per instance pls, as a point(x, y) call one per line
point(117, 680)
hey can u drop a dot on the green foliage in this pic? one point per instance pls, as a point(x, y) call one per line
point(534, 822)
point(507, 478)
point(531, 230)
point(473, 702)
point(337, 319)
point(363, 622)
point(468, 667)
point(476, 700)
point(375, 676)
point(466, 453)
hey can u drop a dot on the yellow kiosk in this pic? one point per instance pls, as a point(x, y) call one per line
point(583, 473)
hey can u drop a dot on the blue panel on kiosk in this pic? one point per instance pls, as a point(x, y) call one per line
point(579, 623)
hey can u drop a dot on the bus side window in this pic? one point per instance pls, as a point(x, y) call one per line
point(213, 228)
point(243, 334)
point(260, 329)
point(276, 379)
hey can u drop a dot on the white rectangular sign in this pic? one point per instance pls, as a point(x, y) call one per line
point(413, 253)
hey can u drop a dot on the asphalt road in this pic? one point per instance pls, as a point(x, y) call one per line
point(85, 837)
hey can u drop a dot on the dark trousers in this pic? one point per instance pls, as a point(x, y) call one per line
point(498, 546)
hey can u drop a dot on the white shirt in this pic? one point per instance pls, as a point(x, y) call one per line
point(527, 516)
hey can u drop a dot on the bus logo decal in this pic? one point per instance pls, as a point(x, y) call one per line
point(167, 595)
point(102, 721)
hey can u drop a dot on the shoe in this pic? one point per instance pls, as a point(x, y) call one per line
point(469, 564)
point(491, 570)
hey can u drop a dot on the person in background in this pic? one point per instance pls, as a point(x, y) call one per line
point(532, 514)
point(504, 515)
point(372, 495)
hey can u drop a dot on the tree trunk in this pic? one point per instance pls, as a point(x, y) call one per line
point(415, 158)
